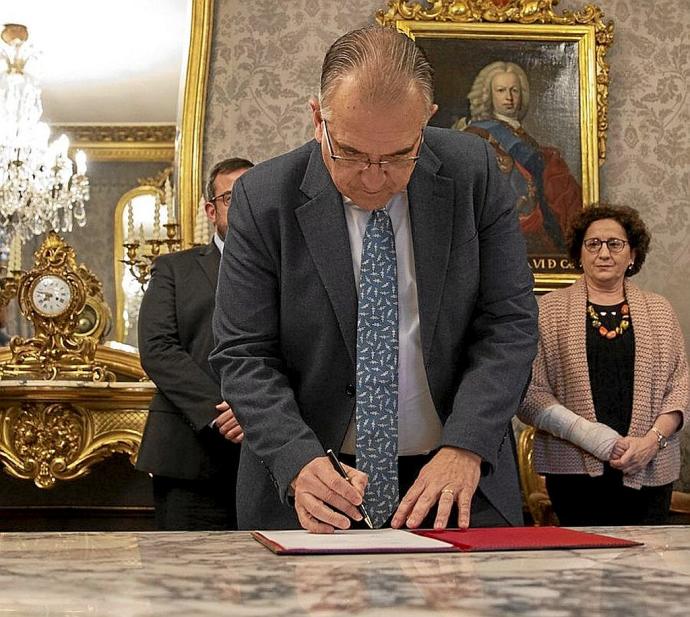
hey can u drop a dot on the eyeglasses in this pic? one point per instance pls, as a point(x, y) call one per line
point(224, 196)
point(615, 245)
point(363, 163)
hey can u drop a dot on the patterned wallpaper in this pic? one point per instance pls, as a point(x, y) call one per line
point(265, 64)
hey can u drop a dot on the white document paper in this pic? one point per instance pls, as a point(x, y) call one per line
point(353, 540)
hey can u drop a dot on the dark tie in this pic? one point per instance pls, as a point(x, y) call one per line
point(377, 368)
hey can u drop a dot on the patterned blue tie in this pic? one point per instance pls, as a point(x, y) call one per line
point(377, 368)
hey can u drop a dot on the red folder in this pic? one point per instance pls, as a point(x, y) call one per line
point(522, 539)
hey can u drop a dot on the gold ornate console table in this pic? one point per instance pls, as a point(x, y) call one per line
point(57, 430)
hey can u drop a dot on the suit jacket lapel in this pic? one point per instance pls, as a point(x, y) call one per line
point(431, 219)
point(209, 260)
point(322, 222)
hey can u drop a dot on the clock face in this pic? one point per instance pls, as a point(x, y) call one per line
point(51, 295)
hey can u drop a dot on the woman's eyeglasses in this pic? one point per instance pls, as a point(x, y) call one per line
point(615, 245)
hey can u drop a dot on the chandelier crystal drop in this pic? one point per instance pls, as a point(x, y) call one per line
point(40, 189)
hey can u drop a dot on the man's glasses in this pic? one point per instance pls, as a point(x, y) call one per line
point(615, 245)
point(362, 163)
point(225, 197)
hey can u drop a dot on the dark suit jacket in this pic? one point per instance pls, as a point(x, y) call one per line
point(175, 338)
point(287, 331)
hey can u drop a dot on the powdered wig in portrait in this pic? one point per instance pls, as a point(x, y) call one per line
point(481, 107)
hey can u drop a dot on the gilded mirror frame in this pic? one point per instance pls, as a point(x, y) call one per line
point(191, 116)
point(119, 251)
point(477, 29)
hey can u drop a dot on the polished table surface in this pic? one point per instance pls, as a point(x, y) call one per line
point(198, 574)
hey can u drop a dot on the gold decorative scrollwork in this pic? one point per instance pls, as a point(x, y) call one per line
point(122, 142)
point(517, 12)
point(130, 133)
point(47, 439)
point(534, 490)
point(51, 441)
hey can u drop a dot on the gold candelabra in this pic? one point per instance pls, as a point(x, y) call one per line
point(141, 251)
point(139, 261)
point(10, 272)
point(9, 284)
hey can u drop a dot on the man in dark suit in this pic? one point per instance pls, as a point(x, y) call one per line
point(191, 436)
point(290, 328)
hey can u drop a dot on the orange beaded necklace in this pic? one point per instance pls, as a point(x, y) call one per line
point(602, 329)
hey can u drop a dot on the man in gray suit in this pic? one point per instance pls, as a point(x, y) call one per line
point(287, 318)
point(189, 434)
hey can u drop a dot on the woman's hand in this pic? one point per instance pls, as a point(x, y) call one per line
point(619, 448)
point(639, 451)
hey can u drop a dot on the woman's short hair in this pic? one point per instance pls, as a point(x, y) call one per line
point(480, 97)
point(628, 218)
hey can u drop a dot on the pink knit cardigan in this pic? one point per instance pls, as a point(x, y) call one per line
point(561, 375)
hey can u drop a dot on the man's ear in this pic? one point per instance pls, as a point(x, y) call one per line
point(316, 118)
point(432, 111)
point(210, 212)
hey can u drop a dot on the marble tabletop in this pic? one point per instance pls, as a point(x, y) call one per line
point(215, 573)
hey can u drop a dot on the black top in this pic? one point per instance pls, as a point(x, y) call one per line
point(611, 369)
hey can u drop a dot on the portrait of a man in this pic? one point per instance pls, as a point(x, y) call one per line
point(547, 195)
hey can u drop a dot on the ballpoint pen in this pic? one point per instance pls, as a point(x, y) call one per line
point(341, 470)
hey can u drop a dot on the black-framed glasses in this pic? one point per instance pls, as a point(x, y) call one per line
point(224, 196)
point(362, 163)
point(615, 245)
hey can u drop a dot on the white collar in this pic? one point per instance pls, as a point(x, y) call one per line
point(514, 122)
point(218, 242)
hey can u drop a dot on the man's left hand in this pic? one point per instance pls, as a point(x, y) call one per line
point(450, 477)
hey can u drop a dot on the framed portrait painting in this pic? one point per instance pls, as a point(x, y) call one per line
point(534, 84)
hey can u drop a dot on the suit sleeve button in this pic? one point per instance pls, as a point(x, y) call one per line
point(350, 390)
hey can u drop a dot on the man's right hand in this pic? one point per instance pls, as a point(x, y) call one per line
point(227, 424)
point(324, 499)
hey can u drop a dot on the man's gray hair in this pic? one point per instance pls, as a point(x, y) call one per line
point(388, 65)
point(481, 105)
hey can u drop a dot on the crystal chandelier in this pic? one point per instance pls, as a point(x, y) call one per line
point(39, 188)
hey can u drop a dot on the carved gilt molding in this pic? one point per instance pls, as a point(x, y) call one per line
point(59, 431)
point(47, 442)
point(120, 142)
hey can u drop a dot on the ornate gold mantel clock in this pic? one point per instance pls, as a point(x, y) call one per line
point(62, 408)
point(65, 304)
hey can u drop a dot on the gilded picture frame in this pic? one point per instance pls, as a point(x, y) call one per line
point(552, 152)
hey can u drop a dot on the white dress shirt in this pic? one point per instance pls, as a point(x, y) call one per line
point(419, 427)
point(218, 242)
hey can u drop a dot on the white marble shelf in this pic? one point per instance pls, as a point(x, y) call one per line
point(199, 574)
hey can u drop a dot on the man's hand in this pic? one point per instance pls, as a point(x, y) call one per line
point(324, 499)
point(227, 424)
point(450, 477)
point(640, 450)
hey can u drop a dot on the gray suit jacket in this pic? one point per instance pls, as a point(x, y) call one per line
point(175, 338)
point(286, 334)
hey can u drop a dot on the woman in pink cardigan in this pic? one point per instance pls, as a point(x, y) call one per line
point(609, 389)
